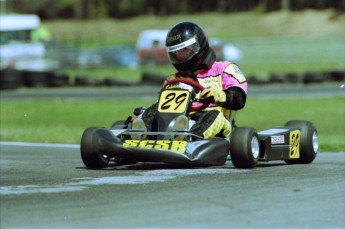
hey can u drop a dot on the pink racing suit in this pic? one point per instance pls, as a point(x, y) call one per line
point(222, 76)
point(216, 119)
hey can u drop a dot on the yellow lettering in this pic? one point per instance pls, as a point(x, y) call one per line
point(162, 145)
point(130, 143)
point(172, 86)
point(147, 144)
point(179, 146)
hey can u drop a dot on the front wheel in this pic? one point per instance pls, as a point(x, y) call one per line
point(309, 143)
point(90, 157)
point(244, 147)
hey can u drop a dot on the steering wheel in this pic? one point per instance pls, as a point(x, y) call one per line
point(194, 84)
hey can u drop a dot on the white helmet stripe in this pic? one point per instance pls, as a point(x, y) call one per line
point(181, 45)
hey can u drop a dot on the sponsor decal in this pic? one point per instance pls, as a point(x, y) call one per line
point(295, 143)
point(171, 86)
point(174, 38)
point(176, 146)
point(278, 139)
point(211, 81)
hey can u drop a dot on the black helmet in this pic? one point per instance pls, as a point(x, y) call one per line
point(188, 49)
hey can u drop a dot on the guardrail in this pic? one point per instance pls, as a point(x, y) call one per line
point(13, 79)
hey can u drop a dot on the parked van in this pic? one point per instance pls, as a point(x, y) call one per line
point(151, 47)
point(18, 49)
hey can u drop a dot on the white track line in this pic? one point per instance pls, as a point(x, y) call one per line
point(50, 145)
point(80, 184)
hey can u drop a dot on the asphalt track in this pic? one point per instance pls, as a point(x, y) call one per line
point(47, 186)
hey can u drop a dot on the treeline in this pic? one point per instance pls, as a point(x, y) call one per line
point(89, 9)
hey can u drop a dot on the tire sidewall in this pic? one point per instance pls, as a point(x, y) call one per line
point(90, 157)
point(241, 148)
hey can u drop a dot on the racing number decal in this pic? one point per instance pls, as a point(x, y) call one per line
point(177, 146)
point(173, 101)
point(294, 143)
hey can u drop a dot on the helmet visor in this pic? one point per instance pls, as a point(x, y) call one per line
point(184, 51)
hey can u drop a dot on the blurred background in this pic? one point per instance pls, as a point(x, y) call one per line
point(54, 51)
point(120, 42)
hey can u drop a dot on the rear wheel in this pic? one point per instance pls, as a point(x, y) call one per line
point(309, 143)
point(244, 147)
point(91, 159)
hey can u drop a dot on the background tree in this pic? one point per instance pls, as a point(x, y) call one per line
point(89, 9)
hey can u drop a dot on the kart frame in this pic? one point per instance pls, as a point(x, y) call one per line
point(295, 142)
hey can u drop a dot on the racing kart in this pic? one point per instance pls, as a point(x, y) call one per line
point(295, 142)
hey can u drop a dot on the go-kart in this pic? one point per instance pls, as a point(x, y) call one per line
point(295, 142)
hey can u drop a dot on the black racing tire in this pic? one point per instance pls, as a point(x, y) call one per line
point(244, 147)
point(35, 78)
point(308, 143)
point(91, 159)
point(10, 79)
point(87, 81)
point(58, 80)
point(110, 82)
point(148, 78)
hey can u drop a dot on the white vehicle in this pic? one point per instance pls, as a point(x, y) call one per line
point(151, 47)
point(17, 48)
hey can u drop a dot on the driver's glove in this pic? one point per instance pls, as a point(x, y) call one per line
point(218, 96)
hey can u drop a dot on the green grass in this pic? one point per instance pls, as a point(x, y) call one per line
point(291, 54)
point(59, 121)
point(63, 121)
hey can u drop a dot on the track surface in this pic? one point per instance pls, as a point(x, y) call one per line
point(49, 187)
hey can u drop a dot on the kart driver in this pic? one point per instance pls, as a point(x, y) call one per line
point(225, 85)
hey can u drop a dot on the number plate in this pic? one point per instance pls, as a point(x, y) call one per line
point(173, 101)
point(294, 143)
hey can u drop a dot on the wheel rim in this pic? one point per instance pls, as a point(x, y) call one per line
point(255, 147)
point(315, 142)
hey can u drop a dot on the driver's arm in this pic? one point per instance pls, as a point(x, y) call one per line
point(235, 98)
